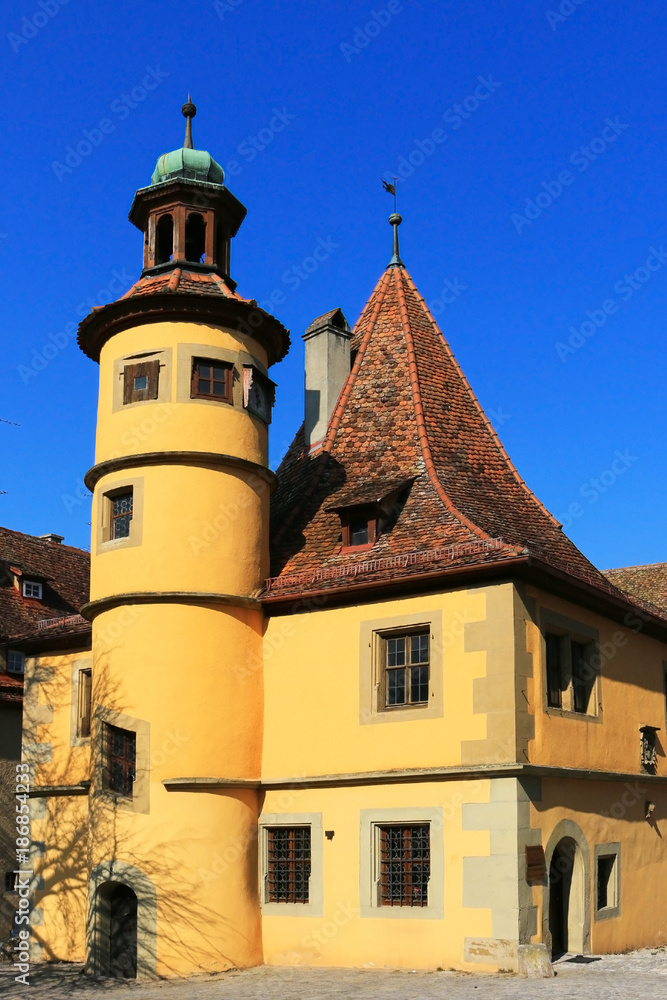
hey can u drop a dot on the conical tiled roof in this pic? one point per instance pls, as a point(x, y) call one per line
point(407, 413)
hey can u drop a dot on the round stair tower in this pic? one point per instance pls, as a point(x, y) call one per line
point(179, 554)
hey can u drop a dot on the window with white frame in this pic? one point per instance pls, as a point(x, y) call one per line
point(32, 589)
point(15, 662)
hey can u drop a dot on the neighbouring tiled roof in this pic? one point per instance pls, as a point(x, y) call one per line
point(407, 412)
point(646, 582)
point(66, 573)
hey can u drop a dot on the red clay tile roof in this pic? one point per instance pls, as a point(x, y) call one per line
point(181, 292)
point(646, 582)
point(407, 411)
point(178, 280)
point(66, 572)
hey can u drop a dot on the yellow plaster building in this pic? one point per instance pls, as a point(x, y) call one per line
point(425, 731)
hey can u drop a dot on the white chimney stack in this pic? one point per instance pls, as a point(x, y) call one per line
point(327, 342)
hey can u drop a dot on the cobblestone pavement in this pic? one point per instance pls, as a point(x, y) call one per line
point(640, 975)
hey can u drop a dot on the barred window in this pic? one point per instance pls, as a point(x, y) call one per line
point(121, 756)
point(121, 514)
point(289, 864)
point(406, 669)
point(405, 864)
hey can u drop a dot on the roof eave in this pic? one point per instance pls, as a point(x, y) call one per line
point(526, 568)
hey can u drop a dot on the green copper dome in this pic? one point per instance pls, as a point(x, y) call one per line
point(194, 164)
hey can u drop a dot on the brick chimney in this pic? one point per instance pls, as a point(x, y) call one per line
point(327, 341)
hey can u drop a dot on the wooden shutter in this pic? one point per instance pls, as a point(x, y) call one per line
point(151, 371)
point(536, 866)
point(554, 671)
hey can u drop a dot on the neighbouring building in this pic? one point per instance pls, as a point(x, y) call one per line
point(409, 724)
point(43, 583)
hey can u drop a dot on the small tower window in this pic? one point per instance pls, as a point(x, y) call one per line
point(140, 381)
point(211, 380)
point(195, 237)
point(121, 514)
point(164, 240)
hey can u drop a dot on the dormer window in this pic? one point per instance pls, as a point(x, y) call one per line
point(366, 512)
point(359, 528)
point(31, 588)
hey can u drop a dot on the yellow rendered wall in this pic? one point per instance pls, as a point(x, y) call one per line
point(152, 425)
point(202, 531)
point(59, 824)
point(179, 668)
point(341, 936)
point(609, 812)
point(631, 690)
point(312, 690)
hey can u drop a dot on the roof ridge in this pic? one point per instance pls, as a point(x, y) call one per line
point(478, 406)
point(422, 433)
point(617, 569)
point(332, 428)
point(61, 545)
point(175, 279)
point(336, 416)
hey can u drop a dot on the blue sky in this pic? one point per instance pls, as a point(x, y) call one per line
point(532, 140)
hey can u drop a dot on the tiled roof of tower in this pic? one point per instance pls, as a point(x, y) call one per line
point(180, 280)
point(407, 412)
point(64, 570)
point(180, 291)
point(649, 583)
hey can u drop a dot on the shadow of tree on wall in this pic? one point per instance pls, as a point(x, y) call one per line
point(88, 839)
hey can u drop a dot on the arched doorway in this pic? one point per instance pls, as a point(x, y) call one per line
point(566, 898)
point(116, 913)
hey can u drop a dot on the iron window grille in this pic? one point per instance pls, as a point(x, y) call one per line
point(405, 864)
point(211, 380)
point(121, 514)
point(289, 864)
point(121, 758)
point(406, 663)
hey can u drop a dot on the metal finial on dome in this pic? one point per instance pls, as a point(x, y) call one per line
point(395, 220)
point(189, 111)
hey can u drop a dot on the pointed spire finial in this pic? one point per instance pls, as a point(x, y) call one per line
point(189, 111)
point(395, 220)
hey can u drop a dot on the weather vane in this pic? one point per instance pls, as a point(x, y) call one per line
point(391, 188)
